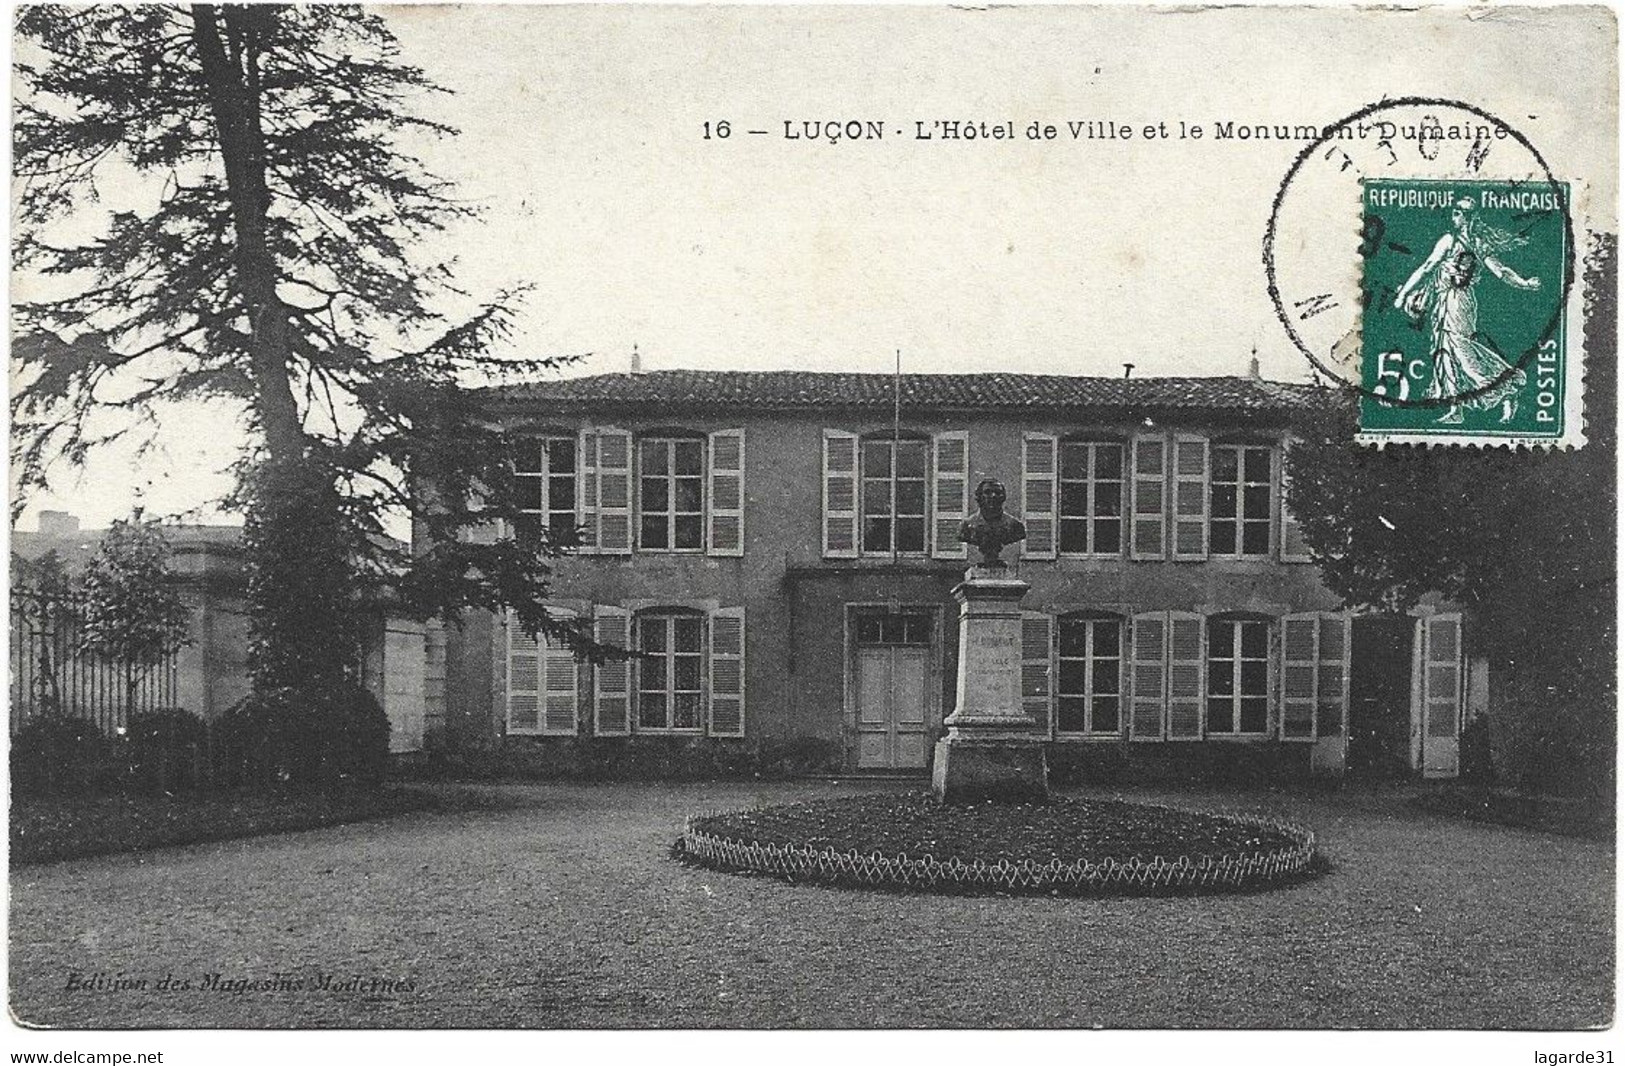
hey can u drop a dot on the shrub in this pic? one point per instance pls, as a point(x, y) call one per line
point(287, 738)
point(1477, 764)
point(661, 758)
point(1087, 764)
point(799, 756)
point(53, 754)
point(1550, 738)
point(164, 751)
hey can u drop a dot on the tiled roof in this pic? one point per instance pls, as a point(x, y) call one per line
point(796, 389)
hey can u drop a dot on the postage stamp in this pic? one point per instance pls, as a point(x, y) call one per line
point(1463, 332)
point(1422, 254)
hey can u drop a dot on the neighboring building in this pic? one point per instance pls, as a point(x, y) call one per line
point(783, 557)
point(210, 672)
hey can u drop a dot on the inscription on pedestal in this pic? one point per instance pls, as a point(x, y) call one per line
point(990, 669)
point(992, 750)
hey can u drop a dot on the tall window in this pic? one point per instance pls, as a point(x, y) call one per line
point(1091, 498)
point(671, 494)
point(1239, 518)
point(1238, 676)
point(669, 668)
point(1089, 690)
point(893, 497)
point(545, 481)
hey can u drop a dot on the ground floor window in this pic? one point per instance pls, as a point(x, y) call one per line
point(1089, 688)
point(1238, 695)
point(669, 667)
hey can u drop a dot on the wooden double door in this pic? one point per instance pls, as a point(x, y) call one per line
point(893, 679)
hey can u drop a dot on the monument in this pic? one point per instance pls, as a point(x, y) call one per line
point(993, 751)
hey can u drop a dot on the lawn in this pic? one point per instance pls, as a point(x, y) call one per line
point(71, 827)
point(561, 907)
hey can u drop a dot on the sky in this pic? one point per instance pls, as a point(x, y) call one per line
point(584, 142)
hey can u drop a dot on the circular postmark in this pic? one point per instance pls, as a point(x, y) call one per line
point(1421, 252)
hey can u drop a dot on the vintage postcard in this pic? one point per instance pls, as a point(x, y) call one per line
point(638, 517)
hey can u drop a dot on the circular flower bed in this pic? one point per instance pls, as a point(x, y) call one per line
point(1064, 847)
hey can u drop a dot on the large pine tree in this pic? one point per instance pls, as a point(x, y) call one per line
point(273, 267)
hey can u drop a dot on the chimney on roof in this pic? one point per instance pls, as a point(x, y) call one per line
point(1252, 366)
point(635, 366)
point(58, 523)
point(1128, 370)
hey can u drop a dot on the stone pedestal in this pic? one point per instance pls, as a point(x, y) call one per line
point(992, 750)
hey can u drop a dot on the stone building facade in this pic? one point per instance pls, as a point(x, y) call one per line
point(780, 549)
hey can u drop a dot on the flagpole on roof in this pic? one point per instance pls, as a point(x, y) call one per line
point(896, 434)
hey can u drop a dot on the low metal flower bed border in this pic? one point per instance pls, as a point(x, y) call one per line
point(1082, 877)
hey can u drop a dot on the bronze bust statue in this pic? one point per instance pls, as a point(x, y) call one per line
point(990, 529)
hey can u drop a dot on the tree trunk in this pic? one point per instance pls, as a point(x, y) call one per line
point(296, 539)
point(225, 39)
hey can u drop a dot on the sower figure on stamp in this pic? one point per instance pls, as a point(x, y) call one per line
point(1441, 290)
point(990, 529)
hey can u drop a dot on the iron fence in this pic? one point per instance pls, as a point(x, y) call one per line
point(52, 672)
point(1238, 870)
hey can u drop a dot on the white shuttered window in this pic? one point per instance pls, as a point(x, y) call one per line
point(1036, 667)
point(1190, 469)
point(725, 510)
point(840, 494)
point(612, 680)
point(613, 474)
point(1149, 641)
point(1038, 495)
point(950, 502)
point(1148, 531)
point(726, 672)
point(1294, 549)
point(1185, 680)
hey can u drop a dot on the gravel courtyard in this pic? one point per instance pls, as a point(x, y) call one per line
point(563, 909)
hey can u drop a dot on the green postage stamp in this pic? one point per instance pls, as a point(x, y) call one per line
point(1465, 335)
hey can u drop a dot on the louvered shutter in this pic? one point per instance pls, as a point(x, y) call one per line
point(560, 684)
point(950, 502)
point(1294, 549)
point(1037, 649)
point(1149, 519)
point(614, 477)
point(1441, 694)
point(725, 511)
point(612, 680)
point(1187, 674)
point(587, 478)
point(1190, 496)
point(524, 681)
point(1332, 678)
point(1300, 668)
point(1149, 643)
point(840, 494)
point(727, 672)
point(1038, 495)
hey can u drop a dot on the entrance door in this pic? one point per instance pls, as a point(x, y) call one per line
point(1379, 730)
point(892, 683)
